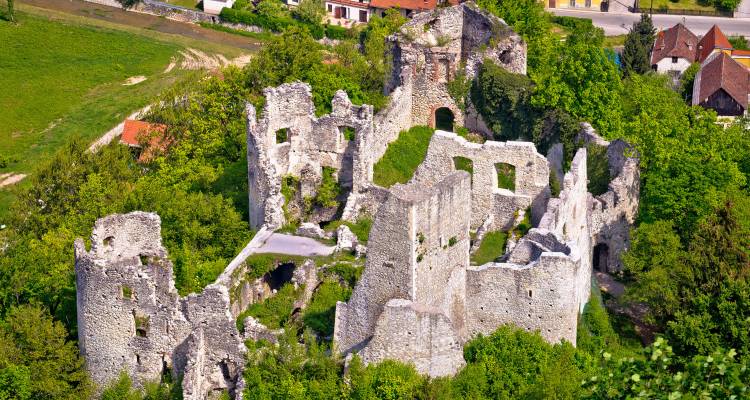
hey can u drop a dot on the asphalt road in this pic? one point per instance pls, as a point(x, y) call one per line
point(619, 23)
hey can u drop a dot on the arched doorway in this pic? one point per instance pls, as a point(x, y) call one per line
point(444, 119)
point(601, 257)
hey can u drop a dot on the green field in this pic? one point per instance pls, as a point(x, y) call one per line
point(676, 5)
point(402, 157)
point(64, 75)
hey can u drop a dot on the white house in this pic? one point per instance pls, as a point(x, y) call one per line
point(215, 6)
point(346, 12)
point(674, 50)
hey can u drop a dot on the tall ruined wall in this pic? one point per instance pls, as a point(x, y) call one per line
point(488, 200)
point(430, 50)
point(131, 318)
point(311, 144)
point(418, 250)
point(568, 218)
point(613, 213)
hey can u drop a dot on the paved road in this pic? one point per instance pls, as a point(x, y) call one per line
point(619, 23)
point(295, 245)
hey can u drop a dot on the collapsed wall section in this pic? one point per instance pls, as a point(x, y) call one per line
point(289, 139)
point(131, 318)
point(488, 199)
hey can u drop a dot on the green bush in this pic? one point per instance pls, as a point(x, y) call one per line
point(274, 312)
point(572, 23)
point(337, 32)
point(329, 189)
point(597, 166)
point(319, 314)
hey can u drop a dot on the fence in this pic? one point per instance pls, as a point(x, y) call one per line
point(676, 11)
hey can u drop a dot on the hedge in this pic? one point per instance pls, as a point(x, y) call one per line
point(277, 24)
point(571, 22)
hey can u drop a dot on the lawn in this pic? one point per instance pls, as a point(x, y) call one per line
point(676, 5)
point(184, 3)
point(402, 157)
point(492, 247)
point(63, 76)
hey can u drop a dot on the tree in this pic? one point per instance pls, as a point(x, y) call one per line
point(11, 15)
point(127, 4)
point(655, 376)
point(638, 44)
point(582, 81)
point(310, 11)
point(687, 81)
point(35, 355)
point(504, 101)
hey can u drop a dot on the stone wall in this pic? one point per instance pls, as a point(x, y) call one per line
point(418, 250)
point(131, 318)
point(430, 50)
point(488, 200)
point(312, 143)
point(166, 10)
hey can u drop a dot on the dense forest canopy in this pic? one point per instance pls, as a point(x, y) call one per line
point(689, 262)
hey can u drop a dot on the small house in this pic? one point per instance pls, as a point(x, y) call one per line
point(136, 133)
point(722, 85)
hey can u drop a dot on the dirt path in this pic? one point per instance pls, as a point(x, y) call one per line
point(147, 21)
point(8, 179)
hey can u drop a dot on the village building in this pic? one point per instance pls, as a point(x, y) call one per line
point(674, 50)
point(137, 133)
point(348, 12)
point(215, 6)
point(722, 85)
point(594, 5)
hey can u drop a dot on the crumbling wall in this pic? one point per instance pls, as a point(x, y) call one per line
point(131, 318)
point(418, 251)
point(488, 201)
point(311, 144)
point(437, 47)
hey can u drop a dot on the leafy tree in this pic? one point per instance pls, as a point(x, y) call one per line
point(687, 80)
point(271, 9)
point(15, 383)
point(310, 11)
point(36, 358)
point(503, 99)
point(128, 4)
point(739, 42)
point(584, 83)
point(656, 376)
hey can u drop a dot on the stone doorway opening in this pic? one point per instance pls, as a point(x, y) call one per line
point(280, 275)
point(444, 119)
point(601, 257)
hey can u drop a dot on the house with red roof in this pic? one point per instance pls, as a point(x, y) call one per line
point(137, 133)
point(349, 12)
point(674, 50)
point(723, 85)
point(713, 42)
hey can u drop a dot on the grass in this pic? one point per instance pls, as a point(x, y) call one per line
point(463, 164)
point(222, 28)
point(506, 176)
point(403, 156)
point(184, 3)
point(63, 74)
point(492, 247)
point(677, 5)
point(615, 41)
point(361, 228)
point(273, 312)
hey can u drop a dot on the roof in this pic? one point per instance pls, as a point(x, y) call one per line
point(408, 4)
point(676, 41)
point(740, 53)
point(134, 132)
point(713, 39)
point(350, 3)
point(720, 71)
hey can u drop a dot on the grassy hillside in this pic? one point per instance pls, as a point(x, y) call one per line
point(64, 75)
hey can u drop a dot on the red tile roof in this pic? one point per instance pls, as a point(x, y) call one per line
point(408, 4)
point(350, 3)
point(720, 71)
point(741, 53)
point(676, 41)
point(714, 39)
point(135, 132)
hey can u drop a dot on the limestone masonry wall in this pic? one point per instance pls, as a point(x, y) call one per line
point(488, 201)
point(131, 318)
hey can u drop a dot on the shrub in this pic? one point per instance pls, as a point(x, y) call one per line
point(329, 189)
point(403, 156)
point(337, 32)
point(492, 247)
point(321, 311)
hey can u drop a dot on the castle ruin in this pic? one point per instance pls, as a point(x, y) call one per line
point(419, 299)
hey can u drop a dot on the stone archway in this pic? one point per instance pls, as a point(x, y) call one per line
point(601, 257)
point(443, 118)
